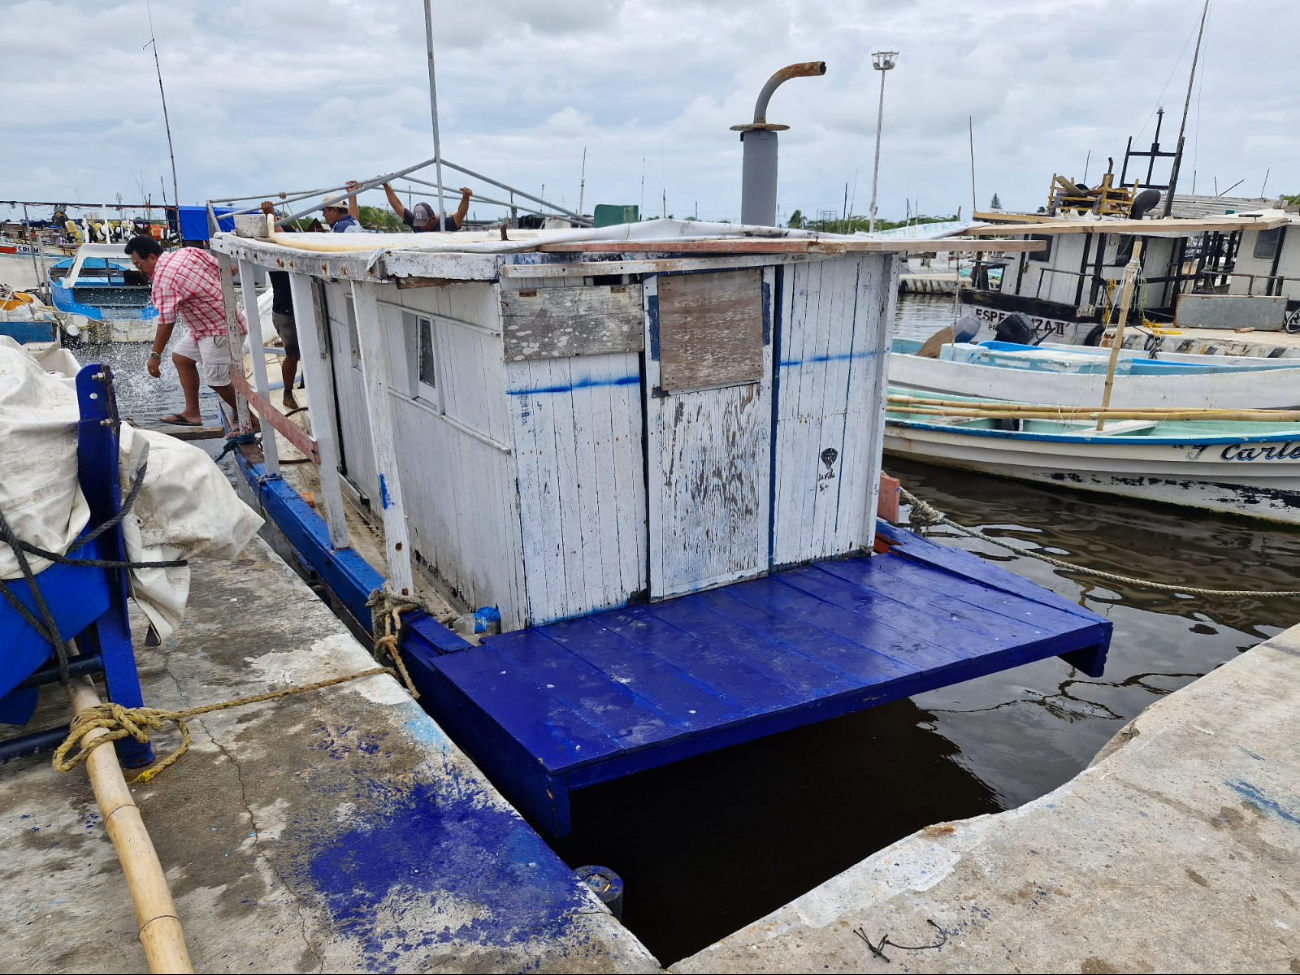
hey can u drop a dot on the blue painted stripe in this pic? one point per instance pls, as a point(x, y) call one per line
point(580, 384)
point(1186, 440)
point(383, 491)
point(838, 357)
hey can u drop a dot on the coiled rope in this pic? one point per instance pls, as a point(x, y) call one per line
point(926, 514)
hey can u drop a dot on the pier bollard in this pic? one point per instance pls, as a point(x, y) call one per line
point(606, 884)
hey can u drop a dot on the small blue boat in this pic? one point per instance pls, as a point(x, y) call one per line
point(111, 300)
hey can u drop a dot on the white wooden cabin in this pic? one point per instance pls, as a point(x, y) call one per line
point(575, 420)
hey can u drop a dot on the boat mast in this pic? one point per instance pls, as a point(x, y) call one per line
point(433, 107)
point(1182, 126)
point(176, 193)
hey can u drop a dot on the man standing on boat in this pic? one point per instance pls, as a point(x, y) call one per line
point(285, 324)
point(341, 213)
point(421, 218)
point(187, 284)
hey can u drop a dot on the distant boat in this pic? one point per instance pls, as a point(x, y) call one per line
point(1229, 466)
point(111, 298)
point(1075, 376)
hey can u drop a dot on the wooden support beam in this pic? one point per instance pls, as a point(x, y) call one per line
point(253, 318)
point(785, 245)
point(379, 409)
point(1164, 225)
point(242, 420)
point(267, 410)
point(320, 402)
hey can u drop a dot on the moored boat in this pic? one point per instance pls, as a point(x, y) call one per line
point(1242, 467)
point(1075, 377)
point(108, 297)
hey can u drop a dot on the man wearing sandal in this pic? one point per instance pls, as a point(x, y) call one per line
point(187, 284)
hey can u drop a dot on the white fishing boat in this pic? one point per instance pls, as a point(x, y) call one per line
point(1075, 376)
point(1228, 466)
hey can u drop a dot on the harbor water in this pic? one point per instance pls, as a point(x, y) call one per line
point(713, 843)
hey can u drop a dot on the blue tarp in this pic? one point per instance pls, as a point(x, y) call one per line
point(194, 222)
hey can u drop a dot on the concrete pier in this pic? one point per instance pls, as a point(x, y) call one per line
point(334, 831)
point(1177, 850)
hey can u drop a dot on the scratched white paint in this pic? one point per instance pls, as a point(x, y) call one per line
point(709, 474)
point(833, 330)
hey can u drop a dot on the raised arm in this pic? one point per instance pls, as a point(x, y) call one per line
point(465, 194)
point(394, 202)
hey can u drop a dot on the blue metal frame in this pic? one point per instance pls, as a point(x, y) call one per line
point(88, 604)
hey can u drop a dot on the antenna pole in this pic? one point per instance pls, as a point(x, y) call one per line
point(433, 108)
point(176, 193)
point(1182, 126)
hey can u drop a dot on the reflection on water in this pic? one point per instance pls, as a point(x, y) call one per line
point(713, 843)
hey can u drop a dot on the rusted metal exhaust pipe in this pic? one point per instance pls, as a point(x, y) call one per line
point(759, 170)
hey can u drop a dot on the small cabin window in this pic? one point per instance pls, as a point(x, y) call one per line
point(1266, 242)
point(1045, 254)
point(424, 360)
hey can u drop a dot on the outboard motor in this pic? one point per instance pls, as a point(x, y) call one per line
point(1015, 328)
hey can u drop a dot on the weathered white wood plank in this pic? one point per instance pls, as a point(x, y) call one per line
point(379, 404)
point(253, 319)
point(320, 403)
point(710, 450)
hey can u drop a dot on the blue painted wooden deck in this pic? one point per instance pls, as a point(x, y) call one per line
point(554, 709)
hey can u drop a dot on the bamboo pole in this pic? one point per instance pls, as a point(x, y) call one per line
point(1280, 416)
point(1117, 343)
point(155, 911)
point(1199, 412)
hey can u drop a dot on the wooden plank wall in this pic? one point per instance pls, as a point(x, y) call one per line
point(355, 446)
point(458, 476)
point(709, 450)
point(835, 323)
point(581, 477)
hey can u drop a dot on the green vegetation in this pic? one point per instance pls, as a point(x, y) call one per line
point(858, 223)
point(381, 218)
point(995, 203)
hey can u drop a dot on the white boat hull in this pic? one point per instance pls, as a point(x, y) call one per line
point(1276, 388)
point(1259, 479)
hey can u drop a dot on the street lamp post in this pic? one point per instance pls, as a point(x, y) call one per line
point(882, 61)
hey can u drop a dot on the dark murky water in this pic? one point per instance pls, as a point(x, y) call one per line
point(709, 845)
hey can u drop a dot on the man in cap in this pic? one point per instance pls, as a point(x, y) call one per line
point(421, 218)
point(341, 212)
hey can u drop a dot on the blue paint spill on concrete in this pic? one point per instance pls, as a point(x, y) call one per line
point(580, 384)
point(1256, 797)
point(383, 491)
point(437, 863)
point(1258, 758)
point(423, 730)
point(838, 357)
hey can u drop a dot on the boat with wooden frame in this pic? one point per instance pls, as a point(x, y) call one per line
point(652, 452)
point(1244, 465)
point(1075, 376)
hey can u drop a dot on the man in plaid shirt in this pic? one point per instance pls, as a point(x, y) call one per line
point(187, 285)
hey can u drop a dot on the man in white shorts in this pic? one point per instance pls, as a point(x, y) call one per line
point(187, 284)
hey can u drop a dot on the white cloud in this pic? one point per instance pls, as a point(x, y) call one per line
point(286, 94)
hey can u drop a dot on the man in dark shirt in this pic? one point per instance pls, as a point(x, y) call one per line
point(285, 326)
point(421, 218)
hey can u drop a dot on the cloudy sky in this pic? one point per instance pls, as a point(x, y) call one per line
point(268, 95)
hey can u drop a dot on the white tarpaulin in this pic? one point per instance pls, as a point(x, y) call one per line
point(185, 508)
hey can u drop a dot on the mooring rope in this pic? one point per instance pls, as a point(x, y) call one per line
point(927, 514)
point(386, 609)
point(140, 723)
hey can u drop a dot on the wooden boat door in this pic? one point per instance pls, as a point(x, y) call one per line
point(708, 392)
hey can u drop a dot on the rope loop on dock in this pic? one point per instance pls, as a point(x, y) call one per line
point(925, 514)
point(141, 723)
point(386, 609)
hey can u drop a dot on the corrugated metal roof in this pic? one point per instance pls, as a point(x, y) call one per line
point(1188, 206)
